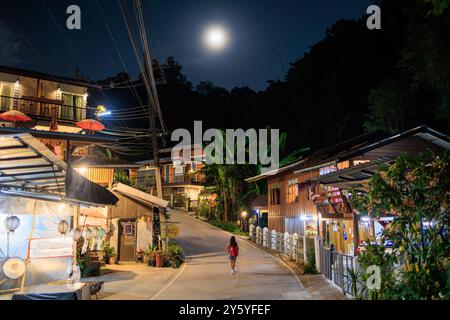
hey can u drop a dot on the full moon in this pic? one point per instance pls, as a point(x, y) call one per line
point(215, 38)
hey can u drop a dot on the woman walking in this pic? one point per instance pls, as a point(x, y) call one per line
point(233, 252)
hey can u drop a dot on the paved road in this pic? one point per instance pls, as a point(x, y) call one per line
point(206, 275)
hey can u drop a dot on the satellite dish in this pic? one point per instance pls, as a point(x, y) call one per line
point(14, 268)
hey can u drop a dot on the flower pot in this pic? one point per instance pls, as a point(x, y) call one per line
point(159, 260)
point(112, 260)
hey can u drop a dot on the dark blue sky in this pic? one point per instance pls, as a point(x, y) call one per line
point(266, 35)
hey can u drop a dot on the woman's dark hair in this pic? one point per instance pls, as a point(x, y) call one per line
point(233, 242)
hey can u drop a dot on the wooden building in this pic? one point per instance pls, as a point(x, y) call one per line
point(300, 203)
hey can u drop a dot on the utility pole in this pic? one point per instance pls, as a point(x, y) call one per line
point(153, 102)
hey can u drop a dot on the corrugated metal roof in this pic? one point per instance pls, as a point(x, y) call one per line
point(28, 167)
point(139, 195)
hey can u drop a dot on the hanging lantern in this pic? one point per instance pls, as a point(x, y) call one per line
point(101, 233)
point(76, 234)
point(94, 232)
point(88, 233)
point(63, 227)
point(12, 223)
point(14, 268)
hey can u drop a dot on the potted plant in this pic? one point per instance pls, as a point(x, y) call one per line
point(113, 256)
point(152, 255)
point(159, 259)
point(106, 251)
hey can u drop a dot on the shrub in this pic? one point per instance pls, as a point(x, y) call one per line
point(228, 226)
point(175, 255)
point(310, 266)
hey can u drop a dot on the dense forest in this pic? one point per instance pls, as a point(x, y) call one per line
point(353, 81)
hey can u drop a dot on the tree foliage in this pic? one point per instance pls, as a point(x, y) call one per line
point(417, 190)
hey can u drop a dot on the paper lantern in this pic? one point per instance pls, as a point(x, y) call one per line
point(14, 268)
point(88, 233)
point(76, 234)
point(63, 227)
point(12, 223)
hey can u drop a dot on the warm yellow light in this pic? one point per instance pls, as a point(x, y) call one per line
point(215, 38)
point(244, 214)
point(82, 170)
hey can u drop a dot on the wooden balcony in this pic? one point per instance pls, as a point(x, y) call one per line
point(41, 108)
point(147, 179)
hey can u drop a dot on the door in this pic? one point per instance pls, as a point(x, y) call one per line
point(127, 240)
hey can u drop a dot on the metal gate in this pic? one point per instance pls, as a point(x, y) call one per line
point(335, 266)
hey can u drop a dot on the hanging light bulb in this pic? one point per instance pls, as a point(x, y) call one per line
point(12, 223)
point(63, 227)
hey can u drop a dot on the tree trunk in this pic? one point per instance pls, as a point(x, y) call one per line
point(225, 206)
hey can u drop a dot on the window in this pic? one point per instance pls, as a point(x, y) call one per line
point(275, 196)
point(292, 191)
point(6, 91)
point(74, 106)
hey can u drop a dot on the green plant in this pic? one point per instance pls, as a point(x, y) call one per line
point(357, 285)
point(416, 189)
point(174, 255)
point(107, 249)
point(376, 255)
point(113, 253)
point(228, 226)
point(310, 266)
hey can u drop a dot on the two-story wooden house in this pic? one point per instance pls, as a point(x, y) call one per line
point(306, 197)
point(181, 184)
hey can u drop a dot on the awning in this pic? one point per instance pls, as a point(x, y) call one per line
point(29, 169)
point(260, 202)
point(353, 175)
point(140, 196)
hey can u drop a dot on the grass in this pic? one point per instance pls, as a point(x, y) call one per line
point(228, 226)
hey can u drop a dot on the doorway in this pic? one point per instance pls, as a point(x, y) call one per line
point(127, 240)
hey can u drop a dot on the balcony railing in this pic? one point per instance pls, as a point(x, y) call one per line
point(185, 178)
point(43, 108)
point(148, 180)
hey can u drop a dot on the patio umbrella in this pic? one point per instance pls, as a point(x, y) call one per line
point(91, 125)
point(14, 116)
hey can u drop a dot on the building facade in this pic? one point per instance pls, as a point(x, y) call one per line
point(181, 184)
point(307, 197)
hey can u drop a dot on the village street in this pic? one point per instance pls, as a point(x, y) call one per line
point(206, 273)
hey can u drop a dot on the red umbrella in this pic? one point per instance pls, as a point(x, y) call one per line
point(14, 115)
point(91, 125)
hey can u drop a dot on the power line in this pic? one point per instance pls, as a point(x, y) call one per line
point(120, 55)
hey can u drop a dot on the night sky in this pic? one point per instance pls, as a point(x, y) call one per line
point(265, 36)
